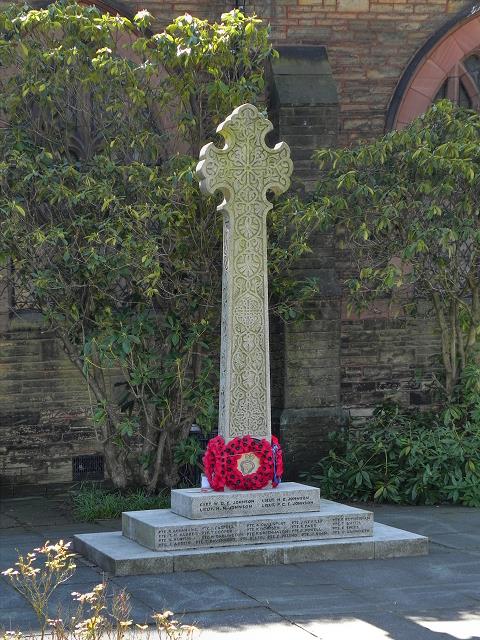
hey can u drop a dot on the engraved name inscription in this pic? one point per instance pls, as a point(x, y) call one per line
point(261, 531)
point(246, 505)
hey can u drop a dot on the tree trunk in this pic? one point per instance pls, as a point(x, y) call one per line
point(448, 343)
point(117, 465)
point(116, 459)
point(165, 470)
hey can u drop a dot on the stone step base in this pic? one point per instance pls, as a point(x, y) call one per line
point(163, 530)
point(123, 557)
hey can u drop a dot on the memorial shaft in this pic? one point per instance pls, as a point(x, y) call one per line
point(244, 171)
point(244, 404)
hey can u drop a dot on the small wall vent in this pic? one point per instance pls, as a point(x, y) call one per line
point(87, 468)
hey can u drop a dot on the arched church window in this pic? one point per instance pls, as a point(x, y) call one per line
point(447, 66)
point(442, 92)
point(464, 98)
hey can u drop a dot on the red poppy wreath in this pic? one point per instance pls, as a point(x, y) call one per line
point(243, 463)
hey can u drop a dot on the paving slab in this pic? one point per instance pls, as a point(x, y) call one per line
point(87, 575)
point(313, 600)
point(7, 522)
point(310, 599)
point(429, 520)
point(469, 541)
point(63, 604)
point(431, 527)
point(187, 592)
point(245, 624)
point(18, 618)
point(11, 547)
point(369, 626)
point(302, 608)
point(449, 624)
point(452, 569)
point(19, 538)
point(431, 598)
point(9, 597)
point(68, 530)
point(36, 511)
point(290, 575)
point(15, 612)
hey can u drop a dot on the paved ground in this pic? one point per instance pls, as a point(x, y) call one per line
point(429, 598)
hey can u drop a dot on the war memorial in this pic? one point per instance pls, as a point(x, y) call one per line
point(243, 515)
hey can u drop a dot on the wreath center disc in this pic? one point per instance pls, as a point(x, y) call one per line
point(248, 463)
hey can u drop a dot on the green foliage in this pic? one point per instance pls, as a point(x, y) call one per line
point(408, 457)
point(102, 220)
point(91, 502)
point(409, 204)
point(189, 452)
point(188, 456)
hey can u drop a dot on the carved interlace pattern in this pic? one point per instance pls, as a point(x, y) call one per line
point(244, 170)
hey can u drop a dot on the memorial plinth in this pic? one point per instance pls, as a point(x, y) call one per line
point(340, 534)
point(163, 530)
point(289, 497)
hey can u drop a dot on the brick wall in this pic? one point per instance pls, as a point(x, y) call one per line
point(369, 43)
point(338, 366)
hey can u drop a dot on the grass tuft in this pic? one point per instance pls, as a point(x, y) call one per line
point(91, 502)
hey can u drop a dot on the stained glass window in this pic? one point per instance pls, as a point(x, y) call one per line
point(463, 83)
point(472, 65)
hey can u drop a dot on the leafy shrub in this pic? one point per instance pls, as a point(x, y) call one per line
point(409, 206)
point(407, 457)
point(188, 457)
point(103, 221)
point(91, 502)
point(189, 452)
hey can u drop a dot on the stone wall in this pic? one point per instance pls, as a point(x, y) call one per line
point(43, 410)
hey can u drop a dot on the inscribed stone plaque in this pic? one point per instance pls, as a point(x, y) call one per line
point(288, 497)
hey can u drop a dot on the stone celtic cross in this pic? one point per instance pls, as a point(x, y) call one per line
point(244, 171)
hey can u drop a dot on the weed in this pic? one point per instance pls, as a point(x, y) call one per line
point(96, 616)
